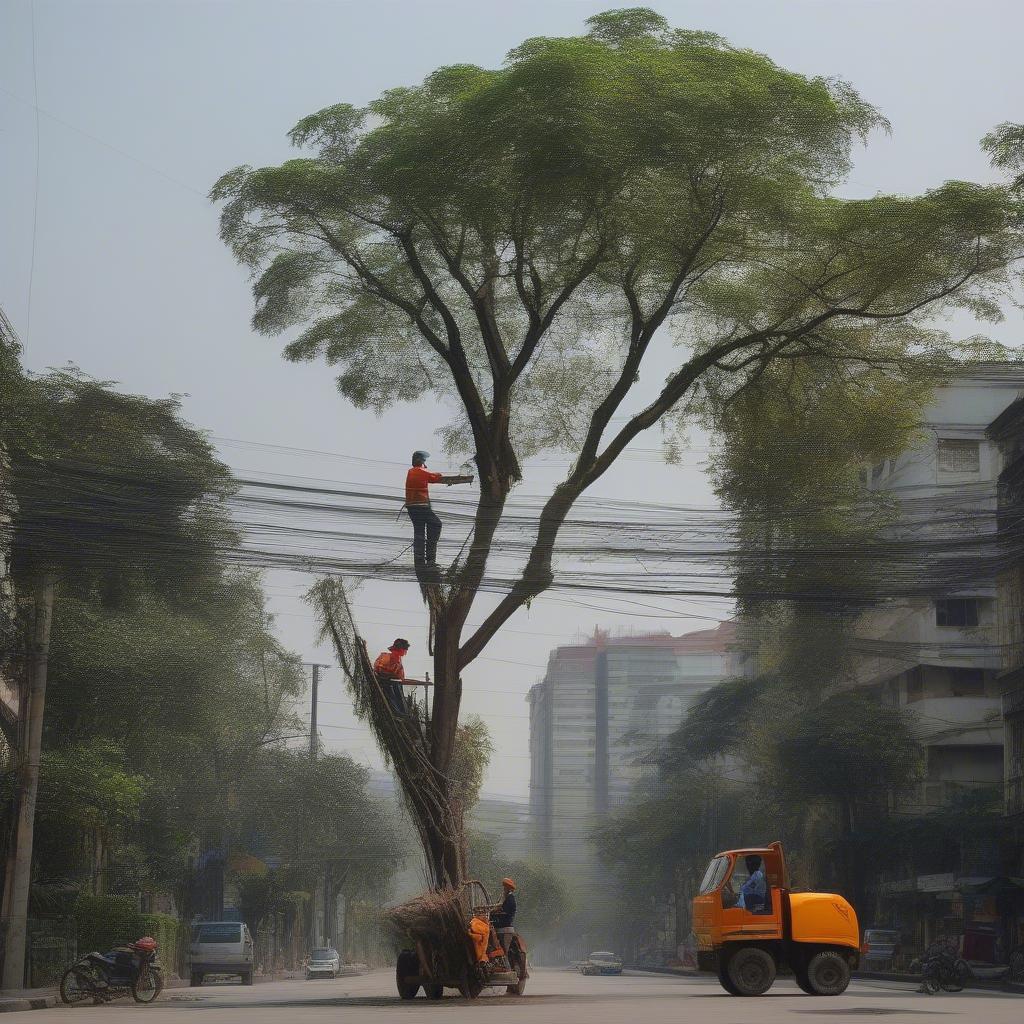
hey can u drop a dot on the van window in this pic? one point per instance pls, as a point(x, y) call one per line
point(219, 933)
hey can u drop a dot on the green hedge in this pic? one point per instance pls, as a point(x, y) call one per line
point(102, 922)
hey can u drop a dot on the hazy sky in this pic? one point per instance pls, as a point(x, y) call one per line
point(108, 150)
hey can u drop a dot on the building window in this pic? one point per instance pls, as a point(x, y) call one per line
point(967, 682)
point(957, 611)
point(957, 456)
point(915, 684)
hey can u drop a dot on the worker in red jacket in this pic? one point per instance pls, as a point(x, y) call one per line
point(390, 674)
point(426, 527)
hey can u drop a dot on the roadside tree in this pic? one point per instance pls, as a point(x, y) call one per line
point(601, 236)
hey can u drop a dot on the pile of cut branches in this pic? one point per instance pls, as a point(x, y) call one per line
point(436, 923)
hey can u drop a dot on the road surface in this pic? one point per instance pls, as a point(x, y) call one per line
point(553, 997)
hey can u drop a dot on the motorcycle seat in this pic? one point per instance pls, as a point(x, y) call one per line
point(103, 958)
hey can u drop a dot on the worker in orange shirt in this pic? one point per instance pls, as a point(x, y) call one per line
point(390, 673)
point(426, 526)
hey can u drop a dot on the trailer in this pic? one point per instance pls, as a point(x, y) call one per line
point(434, 970)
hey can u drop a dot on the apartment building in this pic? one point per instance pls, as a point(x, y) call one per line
point(935, 651)
point(596, 720)
point(1007, 434)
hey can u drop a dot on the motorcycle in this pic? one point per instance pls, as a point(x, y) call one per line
point(943, 968)
point(131, 968)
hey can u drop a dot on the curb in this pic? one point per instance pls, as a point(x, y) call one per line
point(30, 1003)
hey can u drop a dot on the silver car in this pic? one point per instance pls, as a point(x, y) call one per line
point(602, 962)
point(220, 947)
point(323, 963)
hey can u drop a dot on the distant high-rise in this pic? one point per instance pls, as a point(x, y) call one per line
point(601, 710)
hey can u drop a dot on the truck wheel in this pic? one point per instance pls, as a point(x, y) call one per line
point(434, 991)
point(828, 973)
point(408, 964)
point(723, 980)
point(751, 970)
point(800, 974)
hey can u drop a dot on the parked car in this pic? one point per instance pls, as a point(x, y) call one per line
point(323, 963)
point(602, 963)
point(881, 947)
point(220, 947)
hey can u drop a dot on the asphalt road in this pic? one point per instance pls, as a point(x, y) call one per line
point(552, 997)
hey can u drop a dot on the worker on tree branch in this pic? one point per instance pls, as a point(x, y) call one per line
point(391, 674)
point(426, 527)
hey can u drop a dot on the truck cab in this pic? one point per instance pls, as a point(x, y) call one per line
point(750, 926)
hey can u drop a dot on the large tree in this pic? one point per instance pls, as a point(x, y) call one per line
point(522, 241)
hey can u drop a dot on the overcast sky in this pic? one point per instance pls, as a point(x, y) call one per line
point(110, 256)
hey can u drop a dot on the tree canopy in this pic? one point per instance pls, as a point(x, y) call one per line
point(527, 243)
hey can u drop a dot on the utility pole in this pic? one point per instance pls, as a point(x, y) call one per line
point(314, 694)
point(313, 707)
point(19, 879)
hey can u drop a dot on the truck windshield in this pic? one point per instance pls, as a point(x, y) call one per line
point(716, 871)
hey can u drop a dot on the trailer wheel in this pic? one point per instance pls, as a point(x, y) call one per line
point(828, 973)
point(517, 956)
point(408, 964)
point(751, 970)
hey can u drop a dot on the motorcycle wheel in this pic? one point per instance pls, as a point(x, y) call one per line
point(74, 987)
point(147, 985)
point(930, 984)
point(1017, 966)
point(955, 977)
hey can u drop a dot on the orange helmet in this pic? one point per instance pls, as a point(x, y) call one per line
point(147, 944)
point(508, 883)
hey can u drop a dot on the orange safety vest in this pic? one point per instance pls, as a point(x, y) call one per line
point(416, 485)
point(389, 665)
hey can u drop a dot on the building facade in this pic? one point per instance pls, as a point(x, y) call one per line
point(936, 651)
point(596, 722)
point(1007, 434)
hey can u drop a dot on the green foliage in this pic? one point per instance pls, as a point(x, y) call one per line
point(543, 900)
point(848, 746)
point(102, 922)
point(473, 750)
point(1005, 146)
point(102, 478)
point(311, 815)
point(431, 238)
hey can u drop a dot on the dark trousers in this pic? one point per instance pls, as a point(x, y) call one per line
point(395, 695)
point(426, 529)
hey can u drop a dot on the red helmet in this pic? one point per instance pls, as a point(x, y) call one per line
point(147, 944)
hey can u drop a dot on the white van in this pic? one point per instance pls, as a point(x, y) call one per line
point(220, 947)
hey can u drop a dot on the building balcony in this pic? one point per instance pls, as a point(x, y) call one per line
point(958, 721)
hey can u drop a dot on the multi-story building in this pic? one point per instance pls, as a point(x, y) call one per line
point(597, 718)
point(1007, 433)
point(935, 650)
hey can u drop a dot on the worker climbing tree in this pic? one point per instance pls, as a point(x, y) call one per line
point(526, 245)
point(426, 525)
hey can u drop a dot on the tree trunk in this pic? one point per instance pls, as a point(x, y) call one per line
point(19, 881)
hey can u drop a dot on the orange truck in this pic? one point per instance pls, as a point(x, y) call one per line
point(750, 928)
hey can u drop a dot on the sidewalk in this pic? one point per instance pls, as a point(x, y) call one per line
point(14, 999)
